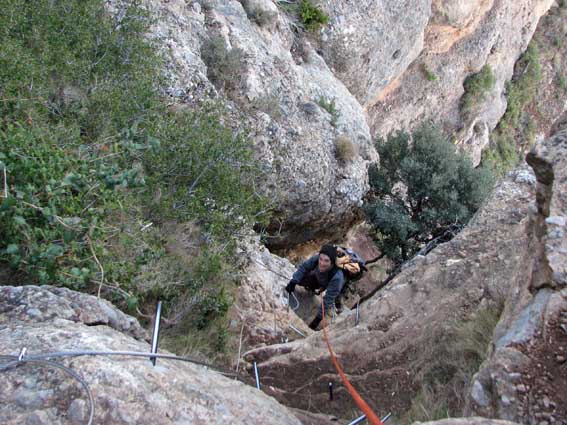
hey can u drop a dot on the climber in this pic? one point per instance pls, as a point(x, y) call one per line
point(320, 273)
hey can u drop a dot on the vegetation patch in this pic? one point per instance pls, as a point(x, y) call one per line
point(224, 66)
point(331, 108)
point(477, 86)
point(422, 191)
point(93, 166)
point(447, 363)
point(427, 73)
point(511, 136)
point(311, 16)
point(345, 150)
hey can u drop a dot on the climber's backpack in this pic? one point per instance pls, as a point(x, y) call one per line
point(352, 264)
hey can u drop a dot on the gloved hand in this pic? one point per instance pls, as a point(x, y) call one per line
point(314, 323)
point(290, 287)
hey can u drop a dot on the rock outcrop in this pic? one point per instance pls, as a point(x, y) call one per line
point(262, 303)
point(126, 390)
point(473, 270)
point(460, 38)
point(513, 252)
point(525, 378)
point(293, 105)
point(364, 74)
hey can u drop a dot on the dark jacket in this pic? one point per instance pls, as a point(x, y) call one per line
point(332, 281)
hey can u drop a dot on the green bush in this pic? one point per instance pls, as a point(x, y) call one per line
point(477, 86)
point(331, 108)
point(562, 82)
point(312, 16)
point(523, 89)
point(501, 156)
point(515, 129)
point(421, 189)
point(427, 73)
point(91, 153)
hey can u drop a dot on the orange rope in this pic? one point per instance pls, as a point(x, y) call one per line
point(370, 415)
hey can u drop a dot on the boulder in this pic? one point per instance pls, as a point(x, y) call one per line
point(126, 390)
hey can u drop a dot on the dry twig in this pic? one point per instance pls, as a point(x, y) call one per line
point(239, 348)
point(101, 283)
point(5, 183)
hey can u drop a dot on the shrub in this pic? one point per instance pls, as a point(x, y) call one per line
point(331, 108)
point(513, 129)
point(562, 82)
point(428, 74)
point(90, 152)
point(476, 88)
point(312, 16)
point(224, 66)
point(262, 17)
point(522, 90)
point(345, 150)
point(501, 156)
point(421, 191)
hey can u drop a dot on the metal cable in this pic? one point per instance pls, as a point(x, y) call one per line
point(16, 362)
point(124, 353)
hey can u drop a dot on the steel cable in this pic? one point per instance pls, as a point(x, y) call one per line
point(16, 362)
point(42, 358)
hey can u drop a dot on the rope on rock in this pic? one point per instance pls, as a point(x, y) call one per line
point(366, 409)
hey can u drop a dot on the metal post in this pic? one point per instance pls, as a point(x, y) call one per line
point(293, 328)
point(358, 420)
point(357, 319)
point(330, 391)
point(363, 417)
point(155, 335)
point(257, 376)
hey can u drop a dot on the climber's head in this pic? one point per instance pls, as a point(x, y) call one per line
point(327, 257)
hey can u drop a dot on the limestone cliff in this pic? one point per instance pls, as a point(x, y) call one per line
point(362, 75)
point(512, 253)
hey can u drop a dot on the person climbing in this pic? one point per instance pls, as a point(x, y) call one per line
point(319, 273)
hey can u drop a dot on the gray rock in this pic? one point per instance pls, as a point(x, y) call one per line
point(479, 394)
point(126, 390)
point(529, 322)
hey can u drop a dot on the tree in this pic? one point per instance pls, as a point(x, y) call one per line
point(422, 189)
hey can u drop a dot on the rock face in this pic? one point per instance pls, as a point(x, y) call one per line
point(366, 73)
point(262, 301)
point(285, 93)
point(126, 390)
point(459, 39)
point(525, 378)
point(454, 280)
point(513, 252)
